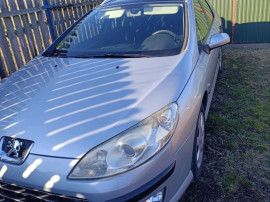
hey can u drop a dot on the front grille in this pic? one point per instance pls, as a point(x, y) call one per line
point(13, 192)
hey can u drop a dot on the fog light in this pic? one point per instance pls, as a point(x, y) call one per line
point(158, 197)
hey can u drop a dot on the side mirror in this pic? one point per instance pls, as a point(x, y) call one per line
point(217, 40)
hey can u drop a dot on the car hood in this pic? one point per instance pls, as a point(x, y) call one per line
point(67, 106)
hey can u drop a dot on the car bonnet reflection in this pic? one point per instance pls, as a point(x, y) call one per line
point(67, 105)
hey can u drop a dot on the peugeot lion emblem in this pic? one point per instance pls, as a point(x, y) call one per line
point(15, 147)
point(14, 150)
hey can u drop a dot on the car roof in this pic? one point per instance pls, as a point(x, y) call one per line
point(117, 2)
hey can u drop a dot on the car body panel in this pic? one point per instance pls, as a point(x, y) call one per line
point(86, 100)
point(69, 120)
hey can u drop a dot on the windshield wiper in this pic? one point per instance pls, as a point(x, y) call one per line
point(63, 53)
point(57, 53)
point(110, 55)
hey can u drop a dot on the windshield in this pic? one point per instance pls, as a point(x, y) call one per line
point(127, 30)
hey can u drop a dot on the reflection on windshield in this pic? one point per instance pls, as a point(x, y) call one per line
point(143, 30)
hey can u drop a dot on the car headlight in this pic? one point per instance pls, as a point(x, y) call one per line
point(130, 148)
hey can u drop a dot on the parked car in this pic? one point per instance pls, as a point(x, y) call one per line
point(115, 108)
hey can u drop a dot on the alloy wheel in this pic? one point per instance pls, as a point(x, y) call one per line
point(200, 140)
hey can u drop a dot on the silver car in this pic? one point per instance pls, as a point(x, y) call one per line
point(114, 109)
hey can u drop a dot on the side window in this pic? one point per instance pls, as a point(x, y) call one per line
point(208, 11)
point(201, 24)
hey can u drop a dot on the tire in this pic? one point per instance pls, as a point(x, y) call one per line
point(198, 147)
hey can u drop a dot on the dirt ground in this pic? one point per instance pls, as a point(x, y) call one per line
point(237, 149)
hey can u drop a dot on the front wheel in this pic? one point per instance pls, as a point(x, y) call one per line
point(198, 147)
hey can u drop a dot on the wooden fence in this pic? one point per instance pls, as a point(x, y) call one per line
point(27, 27)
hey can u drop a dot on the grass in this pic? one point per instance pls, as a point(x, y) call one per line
point(237, 150)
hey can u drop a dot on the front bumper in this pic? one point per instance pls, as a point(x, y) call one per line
point(166, 171)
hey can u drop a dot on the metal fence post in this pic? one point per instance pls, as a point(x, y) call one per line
point(47, 8)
